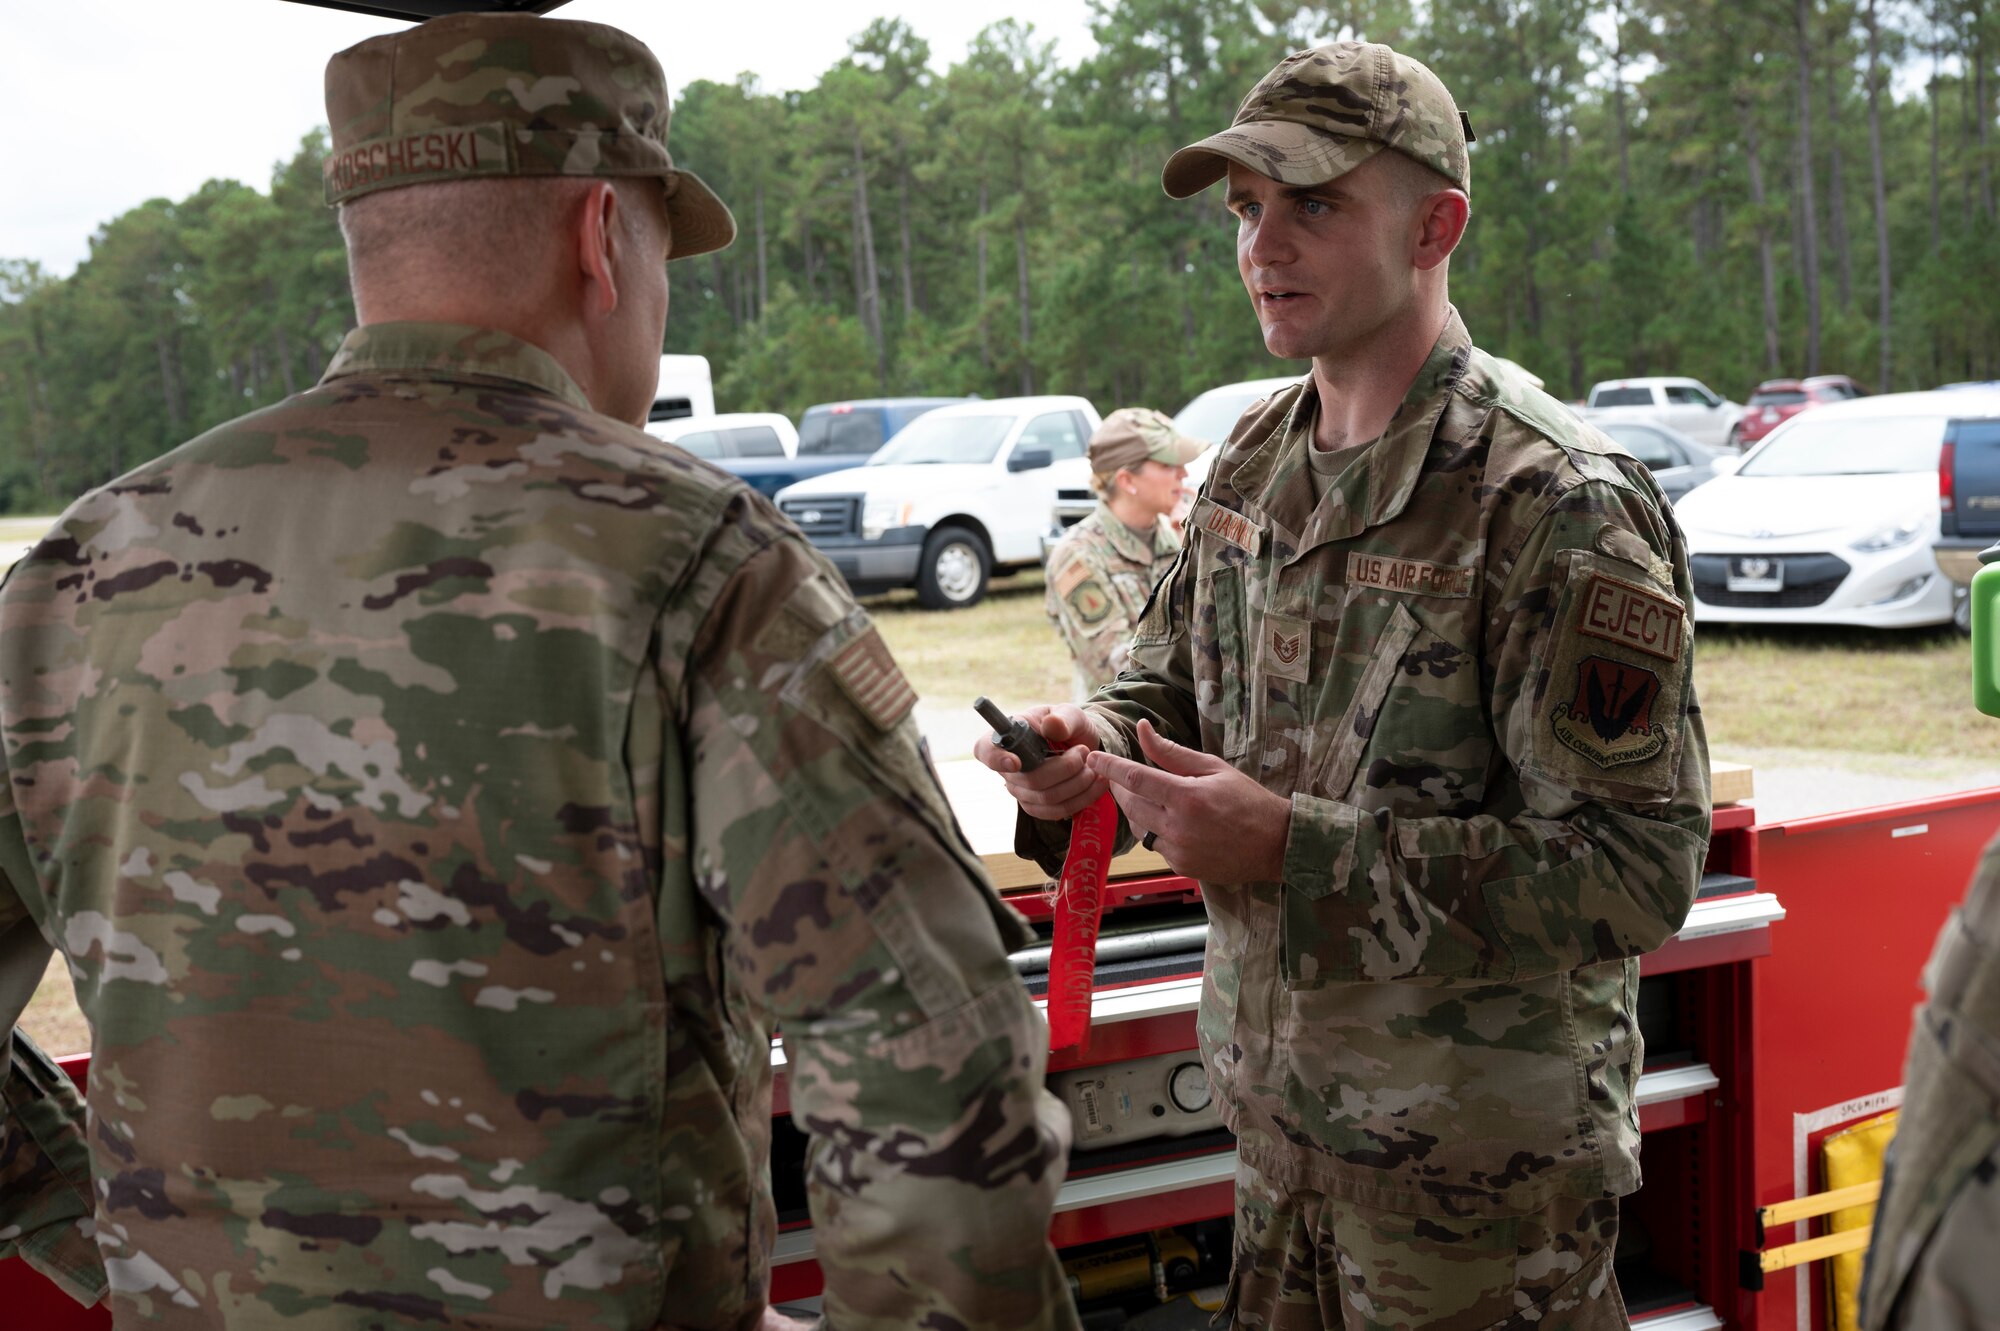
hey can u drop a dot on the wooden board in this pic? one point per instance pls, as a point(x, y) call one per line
point(1730, 783)
point(980, 800)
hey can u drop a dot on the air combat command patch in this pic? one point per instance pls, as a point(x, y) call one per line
point(1616, 687)
point(1610, 718)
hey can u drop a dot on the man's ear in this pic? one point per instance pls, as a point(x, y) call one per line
point(1441, 220)
point(598, 238)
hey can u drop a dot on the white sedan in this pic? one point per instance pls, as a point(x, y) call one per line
point(1829, 521)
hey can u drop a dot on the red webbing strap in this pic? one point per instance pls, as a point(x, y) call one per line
point(1079, 907)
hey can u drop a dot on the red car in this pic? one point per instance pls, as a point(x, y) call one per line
point(1781, 399)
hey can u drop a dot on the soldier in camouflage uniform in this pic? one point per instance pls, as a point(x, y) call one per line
point(1415, 706)
point(1104, 568)
point(438, 788)
point(1937, 1227)
point(1931, 1261)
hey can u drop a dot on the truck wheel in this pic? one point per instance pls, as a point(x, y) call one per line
point(952, 573)
point(1736, 439)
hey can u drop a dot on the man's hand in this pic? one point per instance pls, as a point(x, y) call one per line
point(777, 1321)
point(1063, 786)
point(1209, 821)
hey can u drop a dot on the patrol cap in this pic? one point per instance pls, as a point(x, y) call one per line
point(1132, 435)
point(1325, 111)
point(472, 95)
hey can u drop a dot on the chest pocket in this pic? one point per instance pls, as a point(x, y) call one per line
point(1414, 736)
point(1411, 739)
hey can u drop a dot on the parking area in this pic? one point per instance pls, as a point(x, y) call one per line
point(1830, 718)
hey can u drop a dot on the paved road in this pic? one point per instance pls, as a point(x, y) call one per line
point(1799, 783)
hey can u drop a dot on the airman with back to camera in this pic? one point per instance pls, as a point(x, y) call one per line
point(439, 788)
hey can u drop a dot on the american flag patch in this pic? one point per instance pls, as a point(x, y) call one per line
point(869, 676)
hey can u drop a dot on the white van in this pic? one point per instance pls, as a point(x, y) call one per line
point(686, 389)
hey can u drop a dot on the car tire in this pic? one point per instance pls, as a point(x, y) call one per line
point(952, 573)
point(1736, 438)
point(1961, 610)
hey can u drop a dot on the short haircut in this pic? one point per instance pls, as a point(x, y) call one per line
point(1411, 180)
point(494, 231)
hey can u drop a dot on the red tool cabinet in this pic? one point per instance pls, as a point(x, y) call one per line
point(1779, 1013)
point(1694, 1098)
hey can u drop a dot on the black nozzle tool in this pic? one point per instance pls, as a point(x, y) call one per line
point(1014, 735)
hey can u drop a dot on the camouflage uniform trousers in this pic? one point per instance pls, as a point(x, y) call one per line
point(1308, 1262)
point(1931, 1260)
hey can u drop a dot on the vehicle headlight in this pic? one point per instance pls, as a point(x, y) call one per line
point(879, 515)
point(1894, 535)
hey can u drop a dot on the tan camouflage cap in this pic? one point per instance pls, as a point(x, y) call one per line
point(1132, 435)
point(1323, 112)
point(509, 95)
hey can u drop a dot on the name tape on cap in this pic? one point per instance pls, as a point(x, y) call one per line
point(437, 154)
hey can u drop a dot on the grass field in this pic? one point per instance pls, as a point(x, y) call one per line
point(1891, 695)
point(1898, 693)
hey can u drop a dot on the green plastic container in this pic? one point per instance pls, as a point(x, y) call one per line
point(1986, 636)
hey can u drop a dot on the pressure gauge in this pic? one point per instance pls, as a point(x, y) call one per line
point(1187, 1087)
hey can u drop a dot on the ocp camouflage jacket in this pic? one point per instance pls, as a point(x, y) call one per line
point(1099, 577)
point(438, 791)
point(1468, 668)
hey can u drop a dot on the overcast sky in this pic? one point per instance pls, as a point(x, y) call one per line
point(114, 102)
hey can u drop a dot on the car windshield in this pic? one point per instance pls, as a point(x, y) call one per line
point(1777, 397)
point(839, 431)
point(941, 439)
point(1858, 446)
point(1212, 416)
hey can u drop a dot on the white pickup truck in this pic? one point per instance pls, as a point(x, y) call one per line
point(1681, 404)
point(961, 493)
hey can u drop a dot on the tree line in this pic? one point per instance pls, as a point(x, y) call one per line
point(1728, 190)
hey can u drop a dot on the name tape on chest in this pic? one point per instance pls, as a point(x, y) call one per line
point(1632, 617)
point(1226, 525)
point(1392, 574)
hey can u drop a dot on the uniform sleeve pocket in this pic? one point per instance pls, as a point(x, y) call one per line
point(1611, 712)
